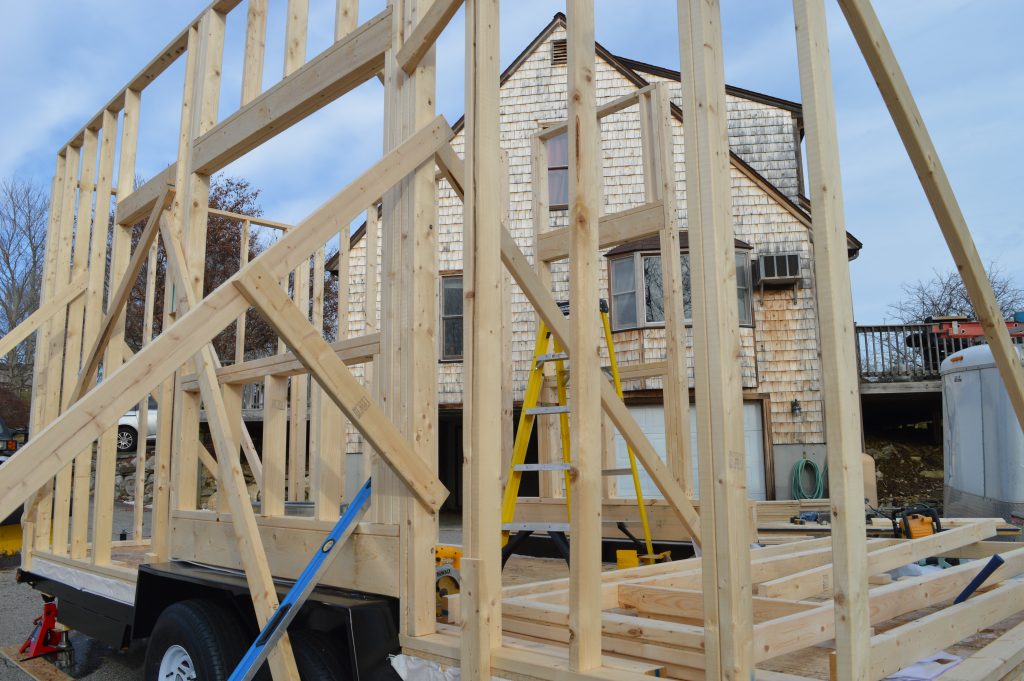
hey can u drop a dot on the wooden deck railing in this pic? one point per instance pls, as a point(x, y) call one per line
point(905, 352)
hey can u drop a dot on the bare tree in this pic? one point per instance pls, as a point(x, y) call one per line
point(23, 215)
point(945, 294)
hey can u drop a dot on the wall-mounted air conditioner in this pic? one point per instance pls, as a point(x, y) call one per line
point(778, 269)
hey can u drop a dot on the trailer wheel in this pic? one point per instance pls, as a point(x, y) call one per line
point(197, 640)
point(317, 656)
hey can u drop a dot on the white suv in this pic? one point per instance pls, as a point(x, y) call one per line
point(128, 428)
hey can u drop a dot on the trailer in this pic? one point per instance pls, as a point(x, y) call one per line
point(983, 449)
point(199, 583)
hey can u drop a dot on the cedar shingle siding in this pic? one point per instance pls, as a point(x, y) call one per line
point(779, 354)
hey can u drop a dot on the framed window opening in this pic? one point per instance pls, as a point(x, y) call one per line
point(451, 317)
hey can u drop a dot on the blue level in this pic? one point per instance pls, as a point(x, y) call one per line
point(277, 625)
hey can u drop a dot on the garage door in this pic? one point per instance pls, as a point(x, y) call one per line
point(652, 420)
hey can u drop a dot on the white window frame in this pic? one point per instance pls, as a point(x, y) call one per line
point(441, 331)
point(746, 315)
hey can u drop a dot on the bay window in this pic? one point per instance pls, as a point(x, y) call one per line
point(638, 294)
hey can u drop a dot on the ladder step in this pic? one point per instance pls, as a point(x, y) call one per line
point(551, 409)
point(551, 357)
point(616, 472)
point(535, 527)
point(523, 467)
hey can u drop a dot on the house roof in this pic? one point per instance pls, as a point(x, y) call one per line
point(653, 243)
point(631, 69)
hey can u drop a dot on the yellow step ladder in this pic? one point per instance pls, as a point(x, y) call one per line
point(548, 349)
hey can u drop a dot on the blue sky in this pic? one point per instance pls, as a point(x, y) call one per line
point(64, 60)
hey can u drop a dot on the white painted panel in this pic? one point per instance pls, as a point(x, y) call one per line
point(965, 469)
point(651, 418)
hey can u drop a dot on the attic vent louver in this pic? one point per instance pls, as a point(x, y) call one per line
point(559, 53)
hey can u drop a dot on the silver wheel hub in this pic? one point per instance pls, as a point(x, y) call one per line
point(124, 440)
point(176, 665)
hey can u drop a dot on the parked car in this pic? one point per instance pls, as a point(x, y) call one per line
point(11, 439)
point(128, 428)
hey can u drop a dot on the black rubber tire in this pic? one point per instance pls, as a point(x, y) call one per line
point(318, 656)
point(211, 633)
point(134, 436)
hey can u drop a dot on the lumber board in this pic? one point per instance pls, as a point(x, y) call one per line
point(47, 452)
point(554, 129)
point(42, 315)
point(483, 309)
point(838, 362)
point(656, 110)
point(296, 30)
point(346, 18)
point(255, 44)
point(689, 603)
point(906, 644)
point(259, 286)
point(538, 661)
point(79, 502)
point(151, 71)
point(369, 562)
point(408, 380)
point(355, 350)
point(118, 299)
point(716, 344)
point(425, 33)
point(585, 202)
point(993, 662)
point(616, 228)
point(106, 452)
point(815, 581)
point(794, 632)
point(336, 71)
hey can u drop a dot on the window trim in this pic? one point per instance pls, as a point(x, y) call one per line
point(547, 176)
point(441, 357)
point(641, 291)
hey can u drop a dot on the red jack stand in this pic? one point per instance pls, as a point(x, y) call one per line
point(46, 638)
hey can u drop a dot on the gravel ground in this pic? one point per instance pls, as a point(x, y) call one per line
point(91, 659)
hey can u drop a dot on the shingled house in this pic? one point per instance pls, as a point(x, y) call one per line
point(774, 260)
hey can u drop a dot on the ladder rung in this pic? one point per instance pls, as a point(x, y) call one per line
point(551, 357)
point(523, 467)
point(535, 527)
point(552, 409)
point(615, 472)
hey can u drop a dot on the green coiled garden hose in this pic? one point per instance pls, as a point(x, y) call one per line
point(797, 480)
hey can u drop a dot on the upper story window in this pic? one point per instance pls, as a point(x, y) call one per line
point(451, 317)
point(637, 291)
point(558, 172)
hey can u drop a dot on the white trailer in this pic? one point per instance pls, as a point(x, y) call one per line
point(983, 443)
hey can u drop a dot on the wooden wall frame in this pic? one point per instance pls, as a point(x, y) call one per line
point(724, 615)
